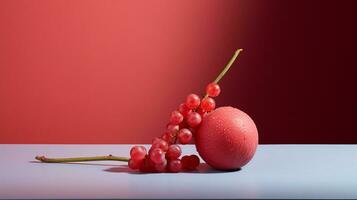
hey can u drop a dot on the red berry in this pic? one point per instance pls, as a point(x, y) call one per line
point(157, 156)
point(190, 162)
point(176, 117)
point(192, 101)
point(173, 152)
point(161, 167)
point(173, 129)
point(184, 124)
point(184, 110)
point(167, 137)
point(213, 89)
point(200, 110)
point(195, 161)
point(134, 164)
point(174, 165)
point(194, 119)
point(155, 140)
point(193, 130)
point(147, 166)
point(208, 104)
point(184, 136)
point(138, 153)
point(159, 143)
point(185, 161)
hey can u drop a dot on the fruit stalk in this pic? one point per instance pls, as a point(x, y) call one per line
point(228, 66)
point(125, 159)
point(80, 159)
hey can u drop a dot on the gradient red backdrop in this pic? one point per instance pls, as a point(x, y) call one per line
point(112, 71)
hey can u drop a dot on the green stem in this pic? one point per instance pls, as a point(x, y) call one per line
point(229, 64)
point(226, 68)
point(81, 159)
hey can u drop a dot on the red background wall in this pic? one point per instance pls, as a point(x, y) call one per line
point(112, 71)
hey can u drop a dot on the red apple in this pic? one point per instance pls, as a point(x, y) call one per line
point(227, 138)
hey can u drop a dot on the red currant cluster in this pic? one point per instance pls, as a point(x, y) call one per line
point(165, 152)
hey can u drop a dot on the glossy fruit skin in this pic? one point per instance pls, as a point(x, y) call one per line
point(184, 110)
point(157, 156)
point(160, 143)
point(138, 153)
point(184, 136)
point(147, 166)
point(174, 166)
point(208, 104)
point(173, 129)
point(194, 119)
point(227, 138)
point(193, 101)
point(173, 152)
point(161, 167)
point(167, 137)
point(195, 161)
point(213, 89)
point(190, 163)
point(134, 164)
point(176, 117)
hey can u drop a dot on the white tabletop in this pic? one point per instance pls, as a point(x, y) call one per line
point(276, 171)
